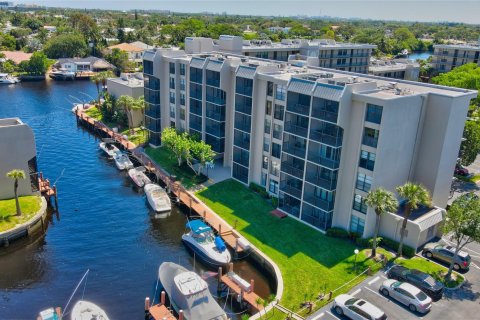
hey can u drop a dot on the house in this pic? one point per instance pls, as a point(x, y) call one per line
point(88, 64)
point(50, 29)
point(16, 56)
point(134, 51)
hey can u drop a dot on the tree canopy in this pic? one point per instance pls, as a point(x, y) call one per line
point(66, 46)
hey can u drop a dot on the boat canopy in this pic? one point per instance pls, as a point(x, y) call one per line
point(189, 283)
point(198, 226)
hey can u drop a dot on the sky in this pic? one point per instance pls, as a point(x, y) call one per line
point(407, 10)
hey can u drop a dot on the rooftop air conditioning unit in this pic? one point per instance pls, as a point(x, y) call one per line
point(393, 85)
point(398, 91)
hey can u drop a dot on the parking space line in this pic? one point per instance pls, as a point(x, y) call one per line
point(332, 315)
point(373, 281)
point(382, 276)
point(319, 316)
point(378, 294)
point(355, 292)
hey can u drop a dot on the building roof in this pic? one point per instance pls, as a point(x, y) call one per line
point(97, 63)
point(16, 56)
point(128, 47)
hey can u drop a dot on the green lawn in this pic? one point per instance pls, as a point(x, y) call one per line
point(431, 268)
point(8, 219)
point(138, 136)
point(473, 179)
point(310, 262)
point(166, 159)
point(93, 112)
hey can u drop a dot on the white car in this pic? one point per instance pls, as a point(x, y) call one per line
point(414, 298)
point(357, 309)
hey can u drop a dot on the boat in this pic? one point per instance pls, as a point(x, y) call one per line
point(201, 240)
point(62, 74)
point(5, 78)
point(157, 198)
point(403, 54)
point(85, 310)
point(122, 161)
point(109, 148)
point(188, 292)
point(138, 176)
point(50, 314)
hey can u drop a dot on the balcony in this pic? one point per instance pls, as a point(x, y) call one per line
point(216, 131)
point(318, 202)
point(242, 124)
point(296, 129)
point(299, 108)
point(243, 104)
point(327, 137)
point(324, 115)
point(241, 140)
point(294, 149)
point(292, 169)
point(370, 141)
point(285, 187)
point(323, 182)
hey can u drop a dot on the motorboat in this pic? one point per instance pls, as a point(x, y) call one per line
point(109, 148)
point(122, 161)
point(209, 248)
point(62, 74)
point(5, 78)
point(157, 198)
point(85, 310)
point(403, 54)
point(188, 292)
point(138, 176)
point(50, 314)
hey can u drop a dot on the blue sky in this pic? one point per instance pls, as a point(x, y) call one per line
point(425, 10)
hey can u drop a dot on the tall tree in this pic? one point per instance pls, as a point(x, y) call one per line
point(66, 46)
point(128, 104)
point(101, 78)
point(381, 201)
point(470, 147)
point(203, 153)
point(463, 224)
point(179, 144)
point(16, 175)
point(414, 195)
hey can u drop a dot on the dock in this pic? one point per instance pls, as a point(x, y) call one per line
point(248, 297)
point(159, 311)
point(47, 190)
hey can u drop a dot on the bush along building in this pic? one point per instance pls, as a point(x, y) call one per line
point(318, 139)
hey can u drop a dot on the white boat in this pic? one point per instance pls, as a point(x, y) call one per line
point(157, 198)
point(5, 78)
point(62, 74)
point(187, 291)
point(122, 161)
point(109, 148)
point(210, 249)
point(50, 314)
point(138, 176)
point(85, 310)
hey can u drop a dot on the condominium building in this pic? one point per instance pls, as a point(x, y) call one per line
point(17, 151)
point(316, 138)
point(395, 68)
point(447, 57)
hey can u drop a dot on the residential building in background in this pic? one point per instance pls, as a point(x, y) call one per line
point(17, 151)
point(446, 57)
point(134, 50)
point(395, 68)
point(128, 84)
point(318, 139)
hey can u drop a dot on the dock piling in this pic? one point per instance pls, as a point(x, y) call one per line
point(162, 298)
point(147, 308)
point(219, 285)
point(180, 315)
point(252, 285)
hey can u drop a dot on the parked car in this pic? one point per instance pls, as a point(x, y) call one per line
point(446, 253)
point(414, 298)
point(461, 170)
point(357, 309)
point(419, 279)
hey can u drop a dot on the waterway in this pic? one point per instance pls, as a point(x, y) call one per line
point(104, 224)
point(420, 55)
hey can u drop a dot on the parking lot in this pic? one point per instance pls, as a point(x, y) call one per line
point(463, 303)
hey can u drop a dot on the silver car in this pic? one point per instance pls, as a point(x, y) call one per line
point(446, 253)
point(414, 298)
point(357, 309)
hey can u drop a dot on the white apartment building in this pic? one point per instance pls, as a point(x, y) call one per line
point(316, 138)
point(395, 68)
point(446, 57)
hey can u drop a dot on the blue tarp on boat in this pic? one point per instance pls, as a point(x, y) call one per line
point(198, 226)
point(220, 244)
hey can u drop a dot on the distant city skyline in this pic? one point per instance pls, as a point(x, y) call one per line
point(465, 11)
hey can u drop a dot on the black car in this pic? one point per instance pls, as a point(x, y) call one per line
point(419, 279)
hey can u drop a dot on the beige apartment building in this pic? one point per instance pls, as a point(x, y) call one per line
point(318, 139)
point(446, 57)
point(17, 151)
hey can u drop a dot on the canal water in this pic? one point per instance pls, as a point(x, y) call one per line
point(104, 224)
point(420, 55)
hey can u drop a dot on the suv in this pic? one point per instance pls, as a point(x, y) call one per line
point(419, 279)
point(357, 309)
point(461, 171)
point(445, 254)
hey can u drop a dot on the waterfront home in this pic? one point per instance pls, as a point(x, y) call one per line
point(16, 56)
point(17, 151)
point(88, 64)
point(134, 50)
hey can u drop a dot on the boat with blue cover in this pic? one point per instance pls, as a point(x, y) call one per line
point(209, 248)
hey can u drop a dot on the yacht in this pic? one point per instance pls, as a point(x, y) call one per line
point(62, 74)
point(138, 176)
point(122, 161)
point(85, 310)
point(201, 240)
point(5, 78)
point(157, 198)
point(187, 291)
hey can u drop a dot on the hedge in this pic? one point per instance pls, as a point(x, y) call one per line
point(336, 232)
point(259, 189)
point(367, 242)
point(392, 244)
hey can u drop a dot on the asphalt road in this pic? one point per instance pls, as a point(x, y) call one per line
point(463, 303)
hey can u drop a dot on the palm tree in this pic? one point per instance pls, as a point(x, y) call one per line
point(128, 104)
point(95, 79)
point(101, 78)
point(16, 174)
point(382, 201)
point(414, 194)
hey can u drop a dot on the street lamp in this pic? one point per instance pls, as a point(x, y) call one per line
point(355, 263)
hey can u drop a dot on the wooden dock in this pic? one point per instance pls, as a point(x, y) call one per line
point(251, 298)
point(160, 312)
point(47, 190)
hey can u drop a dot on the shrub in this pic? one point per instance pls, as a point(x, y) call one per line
point(337, 233)
point(367, 242)
point(274, 202)
point(259, 189)
point(392, 244)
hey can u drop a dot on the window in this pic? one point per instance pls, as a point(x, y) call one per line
point(182, 99)
point(172, 67)
point(268, 125)
point(359, 203)
point(182, 114)
point(277, 131)
point(172, 83)
point(268, 108)
point(357, 225)
point(275, 168)
point(367, 160)
point(172, 97)
point(374, 113)
point(264, 180)
point(273, 188)
point(182, 69)
point(280, 93)
point(370, 137)
point(265, 162)
point(279, 110)
point(266, 144)
point(276, 148)
point(270, 89)
point(182, 83)
point(172, 111)
point(364, 182)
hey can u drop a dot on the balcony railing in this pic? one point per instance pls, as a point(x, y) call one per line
point(325, 137)
point(318, 202)
point(293, 149)
point(242, 143)
point(296, 129)
point(290, 190)
point(329, 163)
point(329, 184)
point(325, 115)
point(370, 141)
point(290, 169)
point(242, 125)
point(298, 108)
point(196, 125)
point(293, 210)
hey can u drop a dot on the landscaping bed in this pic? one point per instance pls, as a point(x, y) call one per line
point(310, 262)
point(8, 219)
point(167, 160)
